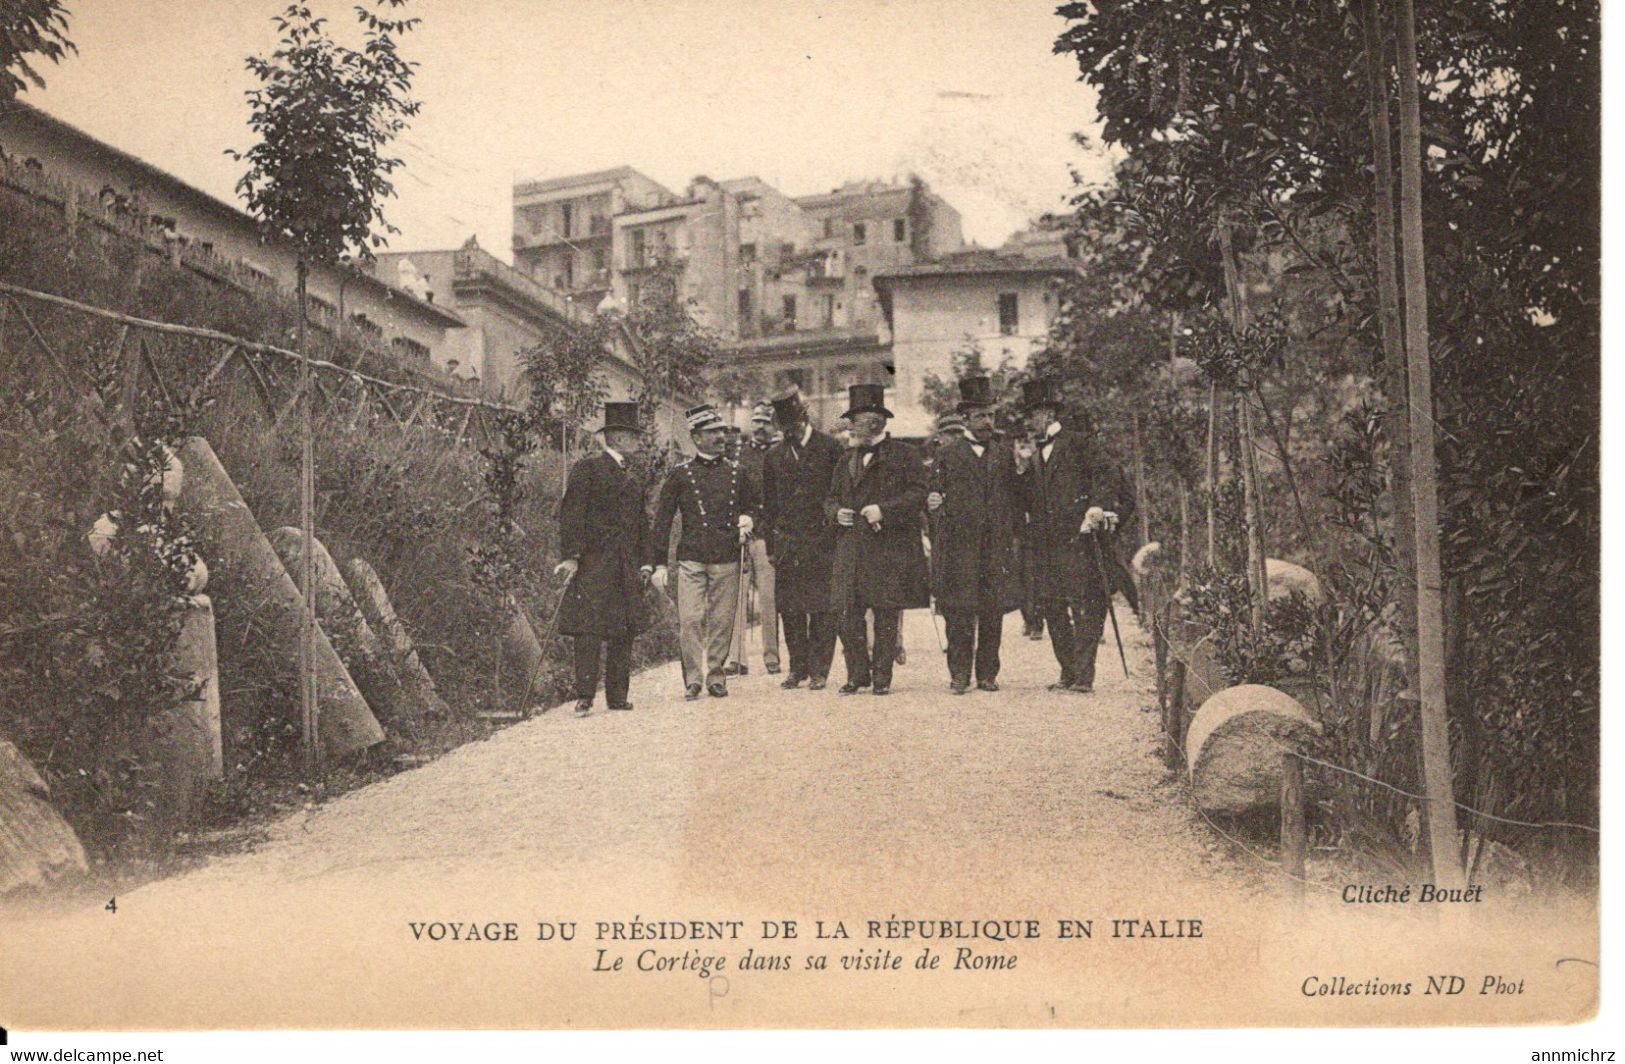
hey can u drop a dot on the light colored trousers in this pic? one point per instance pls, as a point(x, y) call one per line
point(707, 596)
point(767, 609)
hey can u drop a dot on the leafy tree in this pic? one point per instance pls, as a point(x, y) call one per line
point(30, 28)
point(325, 114)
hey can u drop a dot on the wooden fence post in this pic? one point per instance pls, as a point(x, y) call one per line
point(1294, 831)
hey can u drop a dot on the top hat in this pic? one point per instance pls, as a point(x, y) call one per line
point(867, 399)
point(703, 417)
point(623, 416)
point(1039, 393)
point(787, 407)
point(975, 393)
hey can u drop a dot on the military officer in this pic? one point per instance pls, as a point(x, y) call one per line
point(603, 538)
point(876, 500)
point(975, 507)
point(1074, 496)
point(801, 539)
point(718, 503)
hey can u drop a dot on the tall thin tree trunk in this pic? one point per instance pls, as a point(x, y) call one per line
point(1436, 782)
point(1252, 506)
point(1213, 476)
point(1184, 535)
point(1139, 484)
point(309, 710)
point(1391, 331)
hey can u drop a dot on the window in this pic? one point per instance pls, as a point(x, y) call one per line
point(829, 228)
point(367, 326)
point(637, 254)
point(600, 259)
point(899, 230)
point(860, 232)
point(634, 295)
point(567, 213)
point(789, 313)
point(569, 272)
point(747, 253)
point(745, 305)
point(827, 312)
point(410, 349)
point(1009, 322)
point(321, 309)
point(537, 218)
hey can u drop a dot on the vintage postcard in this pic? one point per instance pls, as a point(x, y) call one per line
point(868, 514)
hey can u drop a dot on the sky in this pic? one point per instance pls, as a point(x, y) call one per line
point(804, 94)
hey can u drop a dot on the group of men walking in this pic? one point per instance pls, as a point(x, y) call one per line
point(840, 530)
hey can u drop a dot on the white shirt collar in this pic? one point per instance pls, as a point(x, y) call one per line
point(620, 459)
point(1054, 427)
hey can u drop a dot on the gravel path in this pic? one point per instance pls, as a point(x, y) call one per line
point(1024, 804)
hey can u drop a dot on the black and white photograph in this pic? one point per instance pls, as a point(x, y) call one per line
point(625, 515)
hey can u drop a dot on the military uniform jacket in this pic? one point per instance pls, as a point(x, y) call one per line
point(973, 531)
point(604, 526)
point(884, 569)
point(1056, 493)
point(711, 495)
point(800, 537)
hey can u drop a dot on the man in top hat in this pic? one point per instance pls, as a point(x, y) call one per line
point(752, 458)
point(801, 539)
point(1075, 497)
point(718, 503)
point(603, 539)
point(975, 505)
point(876, 499)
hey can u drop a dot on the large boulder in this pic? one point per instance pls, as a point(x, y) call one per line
point(37, 847)
point(1285, 577)
point(1234, 747)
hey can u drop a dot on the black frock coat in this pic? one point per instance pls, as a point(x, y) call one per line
point(973, 531)
point(1056, 494)
point(603, 525)
point(884, 569)
point(800, 538)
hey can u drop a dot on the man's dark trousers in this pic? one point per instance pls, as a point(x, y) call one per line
point(973, 637)
point(810, 640)
point(615, 655)
point(1074, 633)
point(861, 669)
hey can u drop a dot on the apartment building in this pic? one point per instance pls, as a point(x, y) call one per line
point(563, 228)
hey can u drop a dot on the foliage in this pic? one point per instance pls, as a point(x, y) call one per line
point(941, 396)
point(30, 28)
point(1287, 648)
point(1248, 121)
point(325, 115)
point(564, 377)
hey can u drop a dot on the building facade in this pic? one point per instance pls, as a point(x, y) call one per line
point(52, 158)
point(1001, 303)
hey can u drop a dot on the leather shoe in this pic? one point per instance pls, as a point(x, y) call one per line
point(882, 689)
point(986, 685)
point(791, 682)
point(1082, 688)
point(772, 670)
point(583, 707)
point(959, 687)
point(902, 656)
point(735, 668)
point(692, 692)
point(622, 707)
point(850, 688)
point(718, 690)
point(817, 684)
point(1063, 684)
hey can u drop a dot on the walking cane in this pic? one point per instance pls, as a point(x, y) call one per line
point(552, 627)
point(1111, 611)
point(739, 602)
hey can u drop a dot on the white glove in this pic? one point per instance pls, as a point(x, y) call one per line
point(1111, 520)
point(844, 517)
point(745, 525)
point(934, 500)
point(871, 514)
point(566, 568)
point(659, 577)
point(1094, 518)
